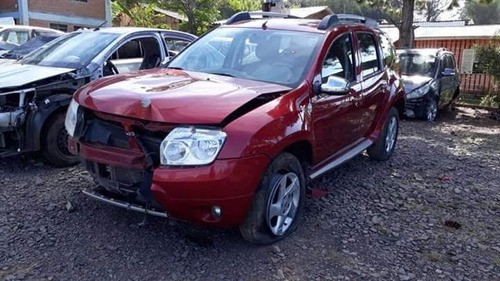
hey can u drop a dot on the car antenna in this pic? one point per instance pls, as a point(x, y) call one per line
point(264, 25)
point(101, 25)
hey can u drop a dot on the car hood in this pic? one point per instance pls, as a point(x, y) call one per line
point(16, 74)
point(6, 61)
point(173, 96)
point(414, 81)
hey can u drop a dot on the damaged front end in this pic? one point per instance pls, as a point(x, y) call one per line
point(120, 154)
point(14, 106)
point(25, 109)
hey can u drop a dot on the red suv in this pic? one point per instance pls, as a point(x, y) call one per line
point(231, 136)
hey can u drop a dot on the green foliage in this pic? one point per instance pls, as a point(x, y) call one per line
point(483, 13)
point(140, 15)
point(245, 5)
point(200, 13)
point(488, 57)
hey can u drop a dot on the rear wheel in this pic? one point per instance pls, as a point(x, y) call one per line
point(55, 143)
point(278, 202)
point(384, 147)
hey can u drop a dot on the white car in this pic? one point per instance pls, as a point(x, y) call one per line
point(11, 36)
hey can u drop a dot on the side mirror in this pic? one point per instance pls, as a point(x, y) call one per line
point(448, 72)
point(335, 86)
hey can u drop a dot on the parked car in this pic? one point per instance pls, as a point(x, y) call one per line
point(26, 48)
point(14, 35)
point(234, 141)
point(431, 79)
point(35, 92)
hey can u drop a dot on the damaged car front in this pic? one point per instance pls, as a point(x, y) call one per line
point(35, 91)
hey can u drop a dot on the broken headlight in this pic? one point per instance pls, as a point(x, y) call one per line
point(189, 146)
point(418, 93)
point(71, 118)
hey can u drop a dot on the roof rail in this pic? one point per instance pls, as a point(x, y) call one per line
point(243, 16)
point(332, 20)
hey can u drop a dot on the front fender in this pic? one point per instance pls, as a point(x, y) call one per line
point(36, 119)
point(270, 128)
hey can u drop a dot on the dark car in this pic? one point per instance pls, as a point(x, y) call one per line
point(232, 138)
point(28, 47)
point(36, 91)
point(431, 80)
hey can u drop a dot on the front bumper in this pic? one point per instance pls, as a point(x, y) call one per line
point(190, 193)
point(416, 107)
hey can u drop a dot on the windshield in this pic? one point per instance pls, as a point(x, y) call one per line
point(29, 46)
point(74, 50)
point(417, 64)
point(275, 56)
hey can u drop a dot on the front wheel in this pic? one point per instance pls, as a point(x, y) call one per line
point(384, 147)
point(431, 110)
point(55, 143)
point(278, 202)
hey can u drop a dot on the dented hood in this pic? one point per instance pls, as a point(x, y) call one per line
point(173, 96)
point(16, 74)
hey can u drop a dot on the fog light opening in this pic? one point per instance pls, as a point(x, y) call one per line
point(216, 212)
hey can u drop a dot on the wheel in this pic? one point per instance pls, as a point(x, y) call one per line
point(431, 110)
point(278, 202)
point(55, 143)
point(384, 147)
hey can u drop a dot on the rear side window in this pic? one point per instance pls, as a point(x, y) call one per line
point(369, 55)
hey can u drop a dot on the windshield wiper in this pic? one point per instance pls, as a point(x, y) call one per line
point(175, 67)
point(221, 74)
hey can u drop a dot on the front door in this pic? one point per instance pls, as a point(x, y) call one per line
point(334, 115)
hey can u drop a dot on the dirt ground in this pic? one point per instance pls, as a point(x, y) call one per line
point(432, 212)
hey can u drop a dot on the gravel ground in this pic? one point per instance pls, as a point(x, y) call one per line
point(430, 213)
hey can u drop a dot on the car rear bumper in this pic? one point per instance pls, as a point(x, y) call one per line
point(187, 193)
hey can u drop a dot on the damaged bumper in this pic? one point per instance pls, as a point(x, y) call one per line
point(13, 109)
point(190, 194)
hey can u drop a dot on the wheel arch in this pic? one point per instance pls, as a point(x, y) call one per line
point(37, 122)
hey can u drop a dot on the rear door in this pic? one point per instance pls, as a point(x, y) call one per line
point(374, 85)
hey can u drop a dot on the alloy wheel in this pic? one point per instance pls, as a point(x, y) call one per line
point(390, 138)
point(283, 203)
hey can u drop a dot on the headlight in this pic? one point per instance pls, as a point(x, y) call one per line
point(418, 93)
point(191, 146)
point(71, 118)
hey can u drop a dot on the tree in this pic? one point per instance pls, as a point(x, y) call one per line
point(403, 10)
point(482, 13)
point(141, 15)
point(433, 8)
point(200, 13)
point(245, 5)
point(488, 57)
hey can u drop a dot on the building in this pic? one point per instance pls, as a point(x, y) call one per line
point(64, 15)
point(460, 38)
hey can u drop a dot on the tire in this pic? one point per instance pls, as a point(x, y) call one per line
point(263, 226)
point(54, 143)
point(431, 110)
point(384, 147)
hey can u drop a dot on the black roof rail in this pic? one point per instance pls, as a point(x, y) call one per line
point(243, 16)
point(332, 20)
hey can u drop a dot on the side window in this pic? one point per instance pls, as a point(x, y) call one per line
point(339, 60)
point(388, 51)
point(176, 45)
point(134, 55)
point(369, 55)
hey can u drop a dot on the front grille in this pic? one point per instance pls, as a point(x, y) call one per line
point(112, 133)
